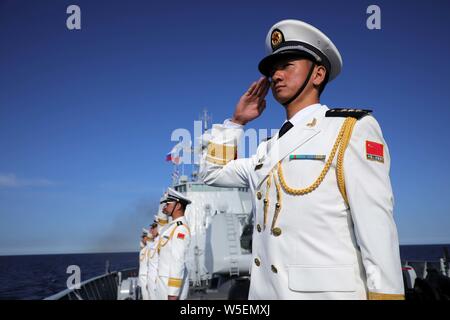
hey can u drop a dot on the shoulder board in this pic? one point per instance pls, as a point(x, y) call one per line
point(179, 223)
point(354, 113)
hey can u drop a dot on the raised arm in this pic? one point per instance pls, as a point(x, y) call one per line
point(219, 165)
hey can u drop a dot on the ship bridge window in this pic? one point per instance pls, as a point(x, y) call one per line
point(181, 188)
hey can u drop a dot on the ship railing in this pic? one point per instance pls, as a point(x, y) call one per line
point(421, 267)
point(103, 287)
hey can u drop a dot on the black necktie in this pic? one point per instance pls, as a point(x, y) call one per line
point(285, 128)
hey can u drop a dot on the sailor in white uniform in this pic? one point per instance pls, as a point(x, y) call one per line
point(153, 256)
point(173, 245)
point(143, 264)
point(322, 197)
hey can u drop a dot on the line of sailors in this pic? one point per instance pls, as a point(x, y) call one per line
point(163, 274)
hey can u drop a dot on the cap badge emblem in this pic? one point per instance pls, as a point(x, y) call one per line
point(277, 38)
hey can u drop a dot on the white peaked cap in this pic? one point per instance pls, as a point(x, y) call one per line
point(298, 38)
point(173, 195)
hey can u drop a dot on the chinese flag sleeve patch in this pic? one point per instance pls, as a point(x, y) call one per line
point(180, 236)
point(374, 151)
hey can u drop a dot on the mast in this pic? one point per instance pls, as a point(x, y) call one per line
point(206, 119)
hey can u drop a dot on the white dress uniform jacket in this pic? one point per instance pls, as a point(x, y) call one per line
point(173, 245)
point(308, 241)
point(143, 271)
point(152, 274)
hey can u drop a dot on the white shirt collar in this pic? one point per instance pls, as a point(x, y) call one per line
point(178, 219)
point(304, 113)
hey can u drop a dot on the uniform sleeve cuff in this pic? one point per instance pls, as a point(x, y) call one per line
point(385, 296)
point(221, 154)
point(174, 286)
point(232, 125)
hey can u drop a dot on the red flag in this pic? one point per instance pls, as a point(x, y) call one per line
point(374, 151)
point(180, 236)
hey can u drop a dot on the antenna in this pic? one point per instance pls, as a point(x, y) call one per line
point(205, 118)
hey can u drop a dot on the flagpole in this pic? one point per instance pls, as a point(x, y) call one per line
point(173, 175)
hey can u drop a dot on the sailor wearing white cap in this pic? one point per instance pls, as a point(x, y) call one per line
point(173, 279)
point(323, 202)
point(160, 222)
point(143, 264)
point(153, 259)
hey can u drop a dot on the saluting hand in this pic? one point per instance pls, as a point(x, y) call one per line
point(252, 104)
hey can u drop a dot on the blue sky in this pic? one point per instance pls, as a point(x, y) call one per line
point(86, 116)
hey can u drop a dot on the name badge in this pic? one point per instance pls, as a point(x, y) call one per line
point(307, 157)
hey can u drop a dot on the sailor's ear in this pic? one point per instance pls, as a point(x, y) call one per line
point(319, 75)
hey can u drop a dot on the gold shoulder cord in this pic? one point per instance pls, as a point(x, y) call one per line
point(266, 201)
point(162, 244)
point(341, 142)
point(277, 206)
point(151, 255)
point(340, 159)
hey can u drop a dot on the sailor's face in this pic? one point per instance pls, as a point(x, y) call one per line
point(288, 76)
point(168, 207)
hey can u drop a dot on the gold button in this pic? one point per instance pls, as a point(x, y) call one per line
point(258, 227)
point(276, 231)
point(259, 195)
point(257, 262)
point(274, 270)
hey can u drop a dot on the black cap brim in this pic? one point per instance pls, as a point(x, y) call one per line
point(174, 200)
point(266, 64)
